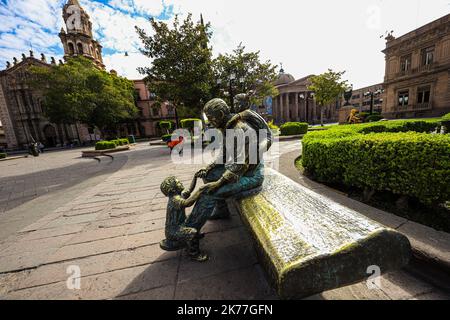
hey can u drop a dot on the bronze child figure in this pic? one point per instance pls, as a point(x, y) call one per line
point(178, 236)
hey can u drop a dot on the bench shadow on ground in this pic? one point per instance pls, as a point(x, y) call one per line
point(231, 273)
point(59, 179)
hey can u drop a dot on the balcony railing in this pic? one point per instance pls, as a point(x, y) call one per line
point(420, 69)
point(415, 107)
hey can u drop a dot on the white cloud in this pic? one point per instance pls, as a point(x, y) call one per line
point(126, 66)
point(306, 36)
point(310, 36)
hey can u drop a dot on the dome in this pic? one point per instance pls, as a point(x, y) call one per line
point(284, 78)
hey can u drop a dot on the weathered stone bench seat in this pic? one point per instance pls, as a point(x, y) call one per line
point(308, 243)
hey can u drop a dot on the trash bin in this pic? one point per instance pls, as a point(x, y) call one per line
point(132, 139)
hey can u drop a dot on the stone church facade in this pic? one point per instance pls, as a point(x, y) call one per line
point(21, 113)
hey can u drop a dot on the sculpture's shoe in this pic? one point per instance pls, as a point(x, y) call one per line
point(199, 257)
point(169, 245)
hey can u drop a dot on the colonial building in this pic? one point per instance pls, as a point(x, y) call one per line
point(362, 98)
point(417, 78)
point(2, 137)
point(21, 112)
point(150, 114)
point(296, 103)
point(20, 106)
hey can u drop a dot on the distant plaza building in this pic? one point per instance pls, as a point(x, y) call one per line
point(362, 99)
point(417, 77)
point(151, 113)
point(295, 103)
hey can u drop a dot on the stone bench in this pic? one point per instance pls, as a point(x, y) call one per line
point(308, 243)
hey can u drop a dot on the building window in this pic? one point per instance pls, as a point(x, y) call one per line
point(138, 95)
point(403, 98)
point(423, 94)
point(155, 112)
point(80, 48)
point(171, 111)
point(427, 56)
point(71, 48)
point(405, 63)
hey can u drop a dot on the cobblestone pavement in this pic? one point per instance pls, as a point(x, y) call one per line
point(110, 234)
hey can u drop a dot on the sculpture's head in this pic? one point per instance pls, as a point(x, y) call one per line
point(171, 186)
point(217, 112)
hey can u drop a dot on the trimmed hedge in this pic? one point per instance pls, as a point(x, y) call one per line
point(121, 142)
point(3, 155)
point(294, 128)
point(166, 138)
point(105, 145)
point(405, 163)
point(446, 117)
point(189, 123)
point(167, 126)
point(373, 118)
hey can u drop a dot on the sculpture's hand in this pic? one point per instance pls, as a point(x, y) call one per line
point(210, 187)
point(186, 194)
point(202, 173)
point(233, 121)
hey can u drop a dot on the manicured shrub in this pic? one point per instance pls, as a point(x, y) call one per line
point(294, 128)
point(446, 117)
point(405, 163)
point(3, 155)
point(105, 145)
point(166, 126)
point(189, 124)
point(373, 118)
point(166, 138)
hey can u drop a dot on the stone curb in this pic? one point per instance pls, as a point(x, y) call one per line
point(95, 153)
point(14, 158)
point(158, 143)
point(287, 138)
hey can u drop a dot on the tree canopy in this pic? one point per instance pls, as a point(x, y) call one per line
point(250, 74)
point(327, 87)
point(181, 71)
point(79, 92)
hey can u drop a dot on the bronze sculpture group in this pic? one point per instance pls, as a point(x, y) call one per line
point(222, 179)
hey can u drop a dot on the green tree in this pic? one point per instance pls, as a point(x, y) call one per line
point(327, 87)
point(78, 92)
point(181, 71)
point(249, 72)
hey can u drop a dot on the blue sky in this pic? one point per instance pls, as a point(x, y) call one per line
point(308, 37)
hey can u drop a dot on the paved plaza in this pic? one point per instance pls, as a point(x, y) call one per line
point(64, 218)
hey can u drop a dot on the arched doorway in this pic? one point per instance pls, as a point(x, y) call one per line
point(50, 136)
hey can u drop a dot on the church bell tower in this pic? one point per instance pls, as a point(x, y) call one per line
point(78, 40)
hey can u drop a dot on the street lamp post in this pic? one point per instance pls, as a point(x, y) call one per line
point(231, 86)
point(372, 94)
point(306, 98)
